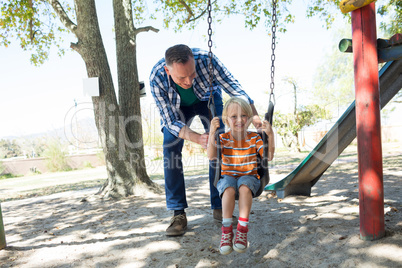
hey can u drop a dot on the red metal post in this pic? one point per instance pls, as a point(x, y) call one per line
point(371, 193)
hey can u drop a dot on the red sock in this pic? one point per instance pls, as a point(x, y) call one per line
point(243, 221)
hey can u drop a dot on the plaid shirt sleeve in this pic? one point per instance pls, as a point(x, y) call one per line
point(167, 100)
point(223, 79)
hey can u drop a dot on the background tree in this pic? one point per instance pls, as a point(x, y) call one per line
point(10, 148)
point(289, 125)
point(334, 81)
point(389, 10)
point(56, 155)
point(39, 25)
point(179, 13)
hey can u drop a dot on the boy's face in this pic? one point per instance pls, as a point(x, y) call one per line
point(237, 119)
point(182, 74)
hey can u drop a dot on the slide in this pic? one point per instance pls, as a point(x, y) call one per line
point(302, 179)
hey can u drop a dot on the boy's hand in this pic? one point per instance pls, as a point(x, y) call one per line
point(214, 125)
point(211, 148)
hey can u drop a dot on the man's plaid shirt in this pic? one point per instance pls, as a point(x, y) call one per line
point(167, 99)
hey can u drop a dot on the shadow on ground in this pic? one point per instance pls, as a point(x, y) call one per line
point(322, 230)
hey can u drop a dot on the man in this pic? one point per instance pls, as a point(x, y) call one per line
point(180, 86)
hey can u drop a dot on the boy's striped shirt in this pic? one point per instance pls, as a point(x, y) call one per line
point(239, 158)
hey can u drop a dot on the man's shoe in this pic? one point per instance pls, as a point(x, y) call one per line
point(218, 217)
point(226, 241)
point(178, 225)
point(240, 243)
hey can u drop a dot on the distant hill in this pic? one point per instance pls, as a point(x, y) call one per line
point(83, 129)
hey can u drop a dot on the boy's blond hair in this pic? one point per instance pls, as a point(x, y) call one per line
point(244, 105)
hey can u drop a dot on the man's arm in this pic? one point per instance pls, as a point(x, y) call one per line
point(234, 89)
point(187, 134)
point(167, 107)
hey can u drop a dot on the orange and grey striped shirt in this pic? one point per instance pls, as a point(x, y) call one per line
point(239, 158)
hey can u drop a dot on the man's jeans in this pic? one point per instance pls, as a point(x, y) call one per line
point(172, 157)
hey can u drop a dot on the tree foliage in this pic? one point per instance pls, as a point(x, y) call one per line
point(9, 148)
point(333, 81)
point(389, 10)
point(33, 24)
point(56, 156)
point(37, 28)
point(289, 125)
point(392, 10)
point(179, 13)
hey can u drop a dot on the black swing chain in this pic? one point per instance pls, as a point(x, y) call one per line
point(273, 45)
point(210, 65)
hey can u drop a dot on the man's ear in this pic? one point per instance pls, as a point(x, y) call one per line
point(166, 70)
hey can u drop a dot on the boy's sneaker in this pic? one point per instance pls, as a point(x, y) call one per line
point(226, 240)
point(240, 243)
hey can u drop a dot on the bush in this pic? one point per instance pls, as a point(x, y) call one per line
point(101, 156)
point(87, 164)
point(9, 176)
point(56, 156)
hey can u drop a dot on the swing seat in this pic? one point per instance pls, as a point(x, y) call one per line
point(262, 163)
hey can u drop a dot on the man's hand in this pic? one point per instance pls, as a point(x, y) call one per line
point(256, 119)
point(187, 134)
point(203, 140)
point(267, 128)
point(257, 123)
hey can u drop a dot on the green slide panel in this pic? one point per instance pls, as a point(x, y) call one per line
point(302, 179)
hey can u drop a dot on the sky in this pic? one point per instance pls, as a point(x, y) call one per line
point(39, 99)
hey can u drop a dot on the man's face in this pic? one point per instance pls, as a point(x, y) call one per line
point(182, 74)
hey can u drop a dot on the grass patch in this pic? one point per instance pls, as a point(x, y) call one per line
point(9, 176)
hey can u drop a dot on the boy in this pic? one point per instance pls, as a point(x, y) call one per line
point(239, 168)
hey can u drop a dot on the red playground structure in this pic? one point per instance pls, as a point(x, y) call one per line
point(368, 123)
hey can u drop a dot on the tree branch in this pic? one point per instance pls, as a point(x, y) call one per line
point(190, 12)
point(63, 16)
point(145, 29)
point(31, 22)
point(196, 18)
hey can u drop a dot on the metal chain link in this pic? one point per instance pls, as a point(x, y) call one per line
point(273, 45)
point(210, 65)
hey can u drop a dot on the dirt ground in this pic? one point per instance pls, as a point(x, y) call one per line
point(62, 230)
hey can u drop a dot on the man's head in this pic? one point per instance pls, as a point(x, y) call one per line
point(180, 65)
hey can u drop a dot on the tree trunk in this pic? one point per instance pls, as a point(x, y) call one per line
point(123, 179)
point(129, 88)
